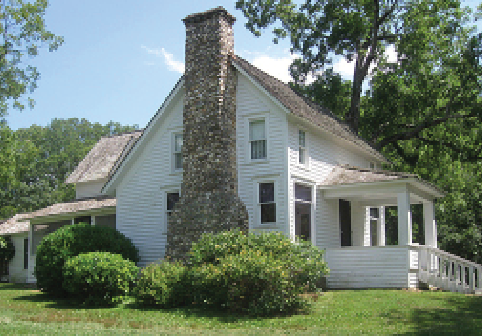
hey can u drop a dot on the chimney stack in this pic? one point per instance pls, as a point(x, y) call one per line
point(209, 201)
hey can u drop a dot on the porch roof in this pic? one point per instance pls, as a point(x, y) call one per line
point(79, 206)
point(376, 187)
point(14, 225)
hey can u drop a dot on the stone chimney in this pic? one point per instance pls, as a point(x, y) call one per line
point(209, 201)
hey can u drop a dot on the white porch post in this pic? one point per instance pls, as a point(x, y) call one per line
point(381, 226)
point(30, 257)
point(404, 218)
point(430, 224)
point(92, 220)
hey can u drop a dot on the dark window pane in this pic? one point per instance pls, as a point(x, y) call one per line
point(268, 213)
point(178, 163)
point(374, 213)
point(83, 219)
point(266, 192)
point(25, 253)
point(303, 193)
point(258, 149)
point(172, 199)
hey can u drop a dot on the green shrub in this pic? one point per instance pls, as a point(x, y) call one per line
point(163, 284)
point(99, 278)
point(258, 274)
point(7, 252)
point(307, 266)
point(71, 240)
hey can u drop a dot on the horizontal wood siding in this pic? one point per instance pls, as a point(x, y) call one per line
point(139, 213)
point(89, 189)
point(252, 103)
point(368, 267)
point(324, 153)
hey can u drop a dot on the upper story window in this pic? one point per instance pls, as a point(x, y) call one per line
point(257, 139)
point(267, 203)
point(301, 147)
point(177, 151)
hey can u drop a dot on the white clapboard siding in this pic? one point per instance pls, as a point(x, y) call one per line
point(16, 271)
point(140, 210)
point(252, 103)
point(369, 267)
point(323, 154)
point(89, 189)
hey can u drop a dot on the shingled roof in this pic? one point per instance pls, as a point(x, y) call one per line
point(344, 174)
point(305, 108)
point(13, 225)
point(75, 206)
point(99, 161)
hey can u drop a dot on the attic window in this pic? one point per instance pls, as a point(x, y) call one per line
point(178, 140)
point(257, 140)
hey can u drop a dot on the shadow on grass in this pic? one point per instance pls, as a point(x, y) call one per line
point(201, 312)
point(457, 315)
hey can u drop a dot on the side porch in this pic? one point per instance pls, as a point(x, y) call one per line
point(364, 260)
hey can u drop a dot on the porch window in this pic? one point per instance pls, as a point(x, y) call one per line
point(302, 147)
point(172, 199)
point(83, 219)
point(177, 151)
point(257, 140)
point(25, 253)
point(266, 203)
point(374, 215)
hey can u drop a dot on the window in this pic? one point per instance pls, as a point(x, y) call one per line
point(373, 165)
point(25, 253)
point(302, 147)
point(257, 139)
point(266, 201)
point(373, 226)
point(177, 151)
point(172, 199)
point(83, 219)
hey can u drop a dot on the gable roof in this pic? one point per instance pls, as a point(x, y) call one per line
point(292, 101)
point(99, 161)
point(305, 108)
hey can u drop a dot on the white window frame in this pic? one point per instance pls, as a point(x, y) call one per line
point(258, 204)
point(249, 120)
point(174, 152)
point(164, 205)
point(372, 165)
point(304, 148)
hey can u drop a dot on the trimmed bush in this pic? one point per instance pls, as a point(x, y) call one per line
point(70, 241)
point(163, 285)
point(99, 278)
point(257, 274)
point(307, 267)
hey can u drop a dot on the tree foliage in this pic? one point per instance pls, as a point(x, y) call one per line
point(35, 161)
point(23, 32)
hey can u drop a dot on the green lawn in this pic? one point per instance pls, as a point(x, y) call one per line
point(25, 311)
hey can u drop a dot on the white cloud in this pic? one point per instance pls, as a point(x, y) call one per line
point(169, 60)
point(276, 67)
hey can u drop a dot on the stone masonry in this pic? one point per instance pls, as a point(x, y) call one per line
point(209, 201)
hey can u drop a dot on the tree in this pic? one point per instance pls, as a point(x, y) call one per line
point(23, 33)
point(37, 160)
point(362, 30)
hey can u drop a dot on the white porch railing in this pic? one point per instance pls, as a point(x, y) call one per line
point(447, 271)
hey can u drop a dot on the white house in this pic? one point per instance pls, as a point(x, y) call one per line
point(299, 170)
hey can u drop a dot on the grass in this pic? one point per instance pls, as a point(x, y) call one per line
point(381, 312)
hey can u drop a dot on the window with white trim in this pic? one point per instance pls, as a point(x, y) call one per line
point(301, 147)
point(257, 139)
point(266, 202)
point(177, 151)
point(171, 199)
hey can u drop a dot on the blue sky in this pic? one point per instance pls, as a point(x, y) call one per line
point(121, 58)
